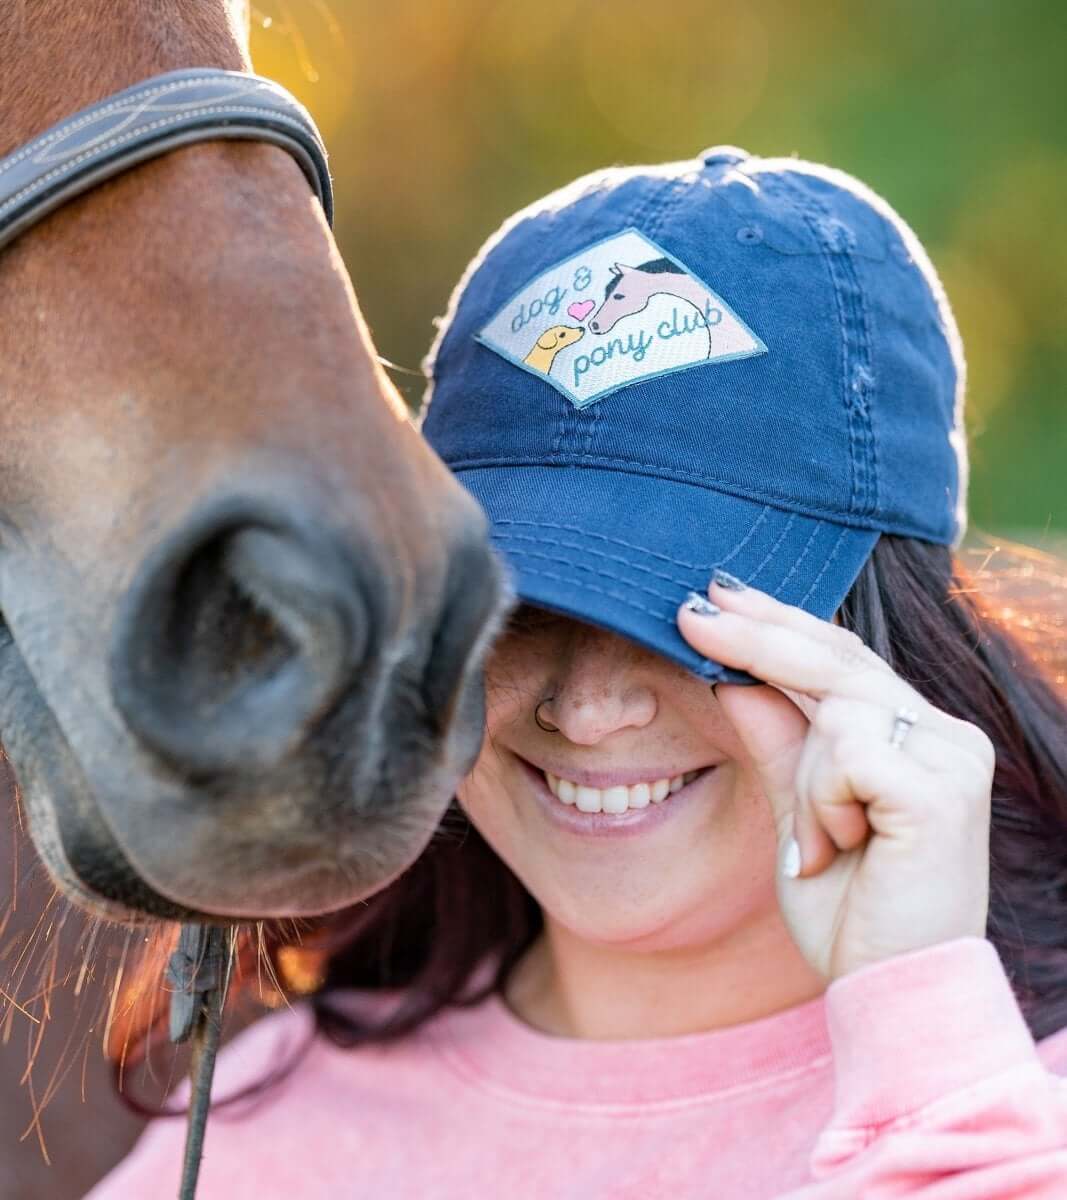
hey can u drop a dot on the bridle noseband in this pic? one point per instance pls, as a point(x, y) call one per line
point(145, 121)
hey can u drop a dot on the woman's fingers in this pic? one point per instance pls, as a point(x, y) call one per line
point(791, 657)
point(805, 656)
point(937, 740)
point(848, 764)
point(822, 749)
point(773, 731)
point(761, 606)
point(817, 848)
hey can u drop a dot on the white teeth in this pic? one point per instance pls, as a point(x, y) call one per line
point(588, 799)
point(616, 799)
point(640, 794)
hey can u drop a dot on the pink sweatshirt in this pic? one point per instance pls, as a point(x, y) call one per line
point(914, 1077)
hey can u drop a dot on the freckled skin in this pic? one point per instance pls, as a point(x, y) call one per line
point(670, 932)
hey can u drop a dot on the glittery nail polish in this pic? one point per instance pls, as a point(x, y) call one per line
point(728, 581)
point(701, 605)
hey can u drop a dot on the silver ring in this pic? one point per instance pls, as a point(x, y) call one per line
point(537, 717)
point(903, 720)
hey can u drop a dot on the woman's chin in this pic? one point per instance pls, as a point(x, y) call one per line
point(632, 926)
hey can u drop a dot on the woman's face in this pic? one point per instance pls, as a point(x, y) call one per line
point(692, 868)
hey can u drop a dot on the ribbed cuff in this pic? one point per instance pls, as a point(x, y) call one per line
point(913, 1028)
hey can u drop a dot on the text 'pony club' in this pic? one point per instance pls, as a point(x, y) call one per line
point(662, 317)
point(638, 344)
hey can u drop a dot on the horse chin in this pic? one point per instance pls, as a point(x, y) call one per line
point(92, 870)
point(337, 850)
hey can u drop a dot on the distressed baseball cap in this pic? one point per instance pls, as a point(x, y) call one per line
point(733, 361)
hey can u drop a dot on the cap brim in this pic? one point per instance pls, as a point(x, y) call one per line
point(621, 550)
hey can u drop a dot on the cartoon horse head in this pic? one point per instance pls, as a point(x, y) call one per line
point(630, 289)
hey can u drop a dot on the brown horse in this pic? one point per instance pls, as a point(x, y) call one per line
point(244, 604)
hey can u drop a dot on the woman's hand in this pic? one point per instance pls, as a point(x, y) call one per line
point(894, 842)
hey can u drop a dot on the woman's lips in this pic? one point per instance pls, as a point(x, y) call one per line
point(611, 824)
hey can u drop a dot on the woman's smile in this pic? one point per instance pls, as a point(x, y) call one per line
point(612, 803)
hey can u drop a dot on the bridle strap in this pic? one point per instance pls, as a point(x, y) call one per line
point(149, 119)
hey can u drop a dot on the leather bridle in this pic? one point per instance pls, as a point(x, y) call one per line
point(145, 121)
point(97, 143)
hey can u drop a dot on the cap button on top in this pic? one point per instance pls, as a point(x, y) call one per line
point(720, 155)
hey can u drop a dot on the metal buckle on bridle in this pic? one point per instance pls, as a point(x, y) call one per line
point(151, 118)
point(198, 972)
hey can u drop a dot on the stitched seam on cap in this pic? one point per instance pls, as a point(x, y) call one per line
point(657, 470)
point(858, 378)
point(641, 549)
point(876, 502)
point(825, 568)
point(679, 188)
point(855, 340)
point(803, 555)
point(591, 423)
point(622, 560)
point(655, 198)
point(622, 598)
point(774, 549)
point(561, 429)
point(794, 197)
point(616, 558)
point(592, 569)
point(579, 571)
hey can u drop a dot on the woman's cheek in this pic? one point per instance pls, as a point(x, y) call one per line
point(483, 796)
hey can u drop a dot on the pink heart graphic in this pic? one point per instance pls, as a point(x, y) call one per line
point(580, 309)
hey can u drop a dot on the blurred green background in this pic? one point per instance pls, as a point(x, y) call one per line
point(444, 117)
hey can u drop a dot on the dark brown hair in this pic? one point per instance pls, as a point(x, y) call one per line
point(993, 658)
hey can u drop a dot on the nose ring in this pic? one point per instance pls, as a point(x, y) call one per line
point(541, 724)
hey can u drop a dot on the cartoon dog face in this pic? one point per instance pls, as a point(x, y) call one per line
point(550, 343)
point(559, 336)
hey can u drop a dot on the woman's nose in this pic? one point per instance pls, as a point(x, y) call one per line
point(595, 693)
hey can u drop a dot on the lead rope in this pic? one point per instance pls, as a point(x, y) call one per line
point(199, 973)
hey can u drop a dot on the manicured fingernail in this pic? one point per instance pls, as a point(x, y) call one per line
point(701, 605)
point(791, 860)
point(728, 581)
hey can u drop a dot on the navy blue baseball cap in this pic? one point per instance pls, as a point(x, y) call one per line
point(737, 362)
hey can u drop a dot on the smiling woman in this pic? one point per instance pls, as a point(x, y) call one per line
point(767, 827)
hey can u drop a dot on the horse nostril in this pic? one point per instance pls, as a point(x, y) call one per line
point(594, 326)
point(233, 640)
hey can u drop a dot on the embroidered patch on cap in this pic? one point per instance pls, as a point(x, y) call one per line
point(619, 312)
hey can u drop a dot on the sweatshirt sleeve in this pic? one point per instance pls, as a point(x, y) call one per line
point(939, 1090)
